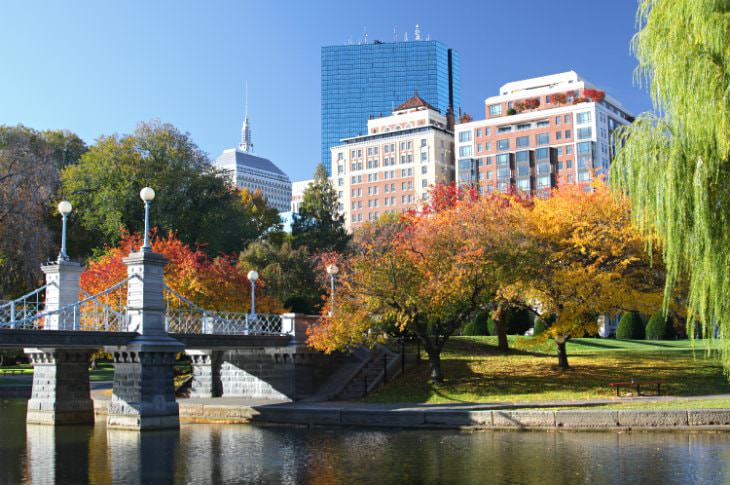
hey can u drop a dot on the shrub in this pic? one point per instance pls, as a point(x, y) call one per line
point(491, 327)
point(540, 327)
point(478, 326)
point(511, 111)
point(660, 328)
point(630, 327)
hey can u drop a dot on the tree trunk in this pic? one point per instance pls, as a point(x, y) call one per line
point(434, 359)
point(562, 355)
point(499, 323)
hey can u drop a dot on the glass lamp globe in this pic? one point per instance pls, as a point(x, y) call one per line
point(332, 269)
point(252, 275)
point(64, 207)
point(147, 194)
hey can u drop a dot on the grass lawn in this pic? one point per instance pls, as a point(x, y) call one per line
point(475, 372)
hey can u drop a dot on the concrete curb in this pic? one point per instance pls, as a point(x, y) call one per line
point(569, 419)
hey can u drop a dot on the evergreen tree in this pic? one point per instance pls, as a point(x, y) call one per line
point(319, 225)
point(675, 165)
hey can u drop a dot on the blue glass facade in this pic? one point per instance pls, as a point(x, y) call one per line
point(359, 81)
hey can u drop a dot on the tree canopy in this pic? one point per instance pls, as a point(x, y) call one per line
point(675, 164)
point(320, 225)
point(192, 198)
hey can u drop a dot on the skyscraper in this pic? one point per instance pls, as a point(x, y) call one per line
point(371, 79)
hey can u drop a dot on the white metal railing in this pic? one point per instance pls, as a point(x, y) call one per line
point(105, 311)
point(23, 307)
point(184, 316)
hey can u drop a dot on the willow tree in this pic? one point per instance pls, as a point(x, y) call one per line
point(675, 164)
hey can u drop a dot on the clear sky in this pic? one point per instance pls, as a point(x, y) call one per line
point(100, 66)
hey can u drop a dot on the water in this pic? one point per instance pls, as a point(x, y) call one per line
point(232, 454)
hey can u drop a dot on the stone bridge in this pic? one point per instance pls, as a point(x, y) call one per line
point(247, 355)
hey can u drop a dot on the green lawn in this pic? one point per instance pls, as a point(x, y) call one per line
point(475, 372)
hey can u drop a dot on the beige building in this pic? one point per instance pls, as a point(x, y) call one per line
point(393, 166)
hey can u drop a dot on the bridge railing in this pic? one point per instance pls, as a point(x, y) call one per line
point(184, 316)
point(24, 307)
point(104, 311)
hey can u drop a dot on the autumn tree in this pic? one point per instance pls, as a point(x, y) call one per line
point(212, 283)
point(594, 261)
point(28, 182)
point(674, 165)
point(429, 277)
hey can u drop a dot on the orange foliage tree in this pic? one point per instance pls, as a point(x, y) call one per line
point(593, 262)
point(212, 283)
point(428, 277)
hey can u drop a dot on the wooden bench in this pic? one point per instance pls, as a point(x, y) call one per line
point(637, 385)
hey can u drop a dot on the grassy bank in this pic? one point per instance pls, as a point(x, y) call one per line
point(476, 372)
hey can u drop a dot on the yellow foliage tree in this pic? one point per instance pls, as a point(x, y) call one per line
point(594, 261)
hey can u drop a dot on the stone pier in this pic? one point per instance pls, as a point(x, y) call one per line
point(143, 394)
point(60, 392)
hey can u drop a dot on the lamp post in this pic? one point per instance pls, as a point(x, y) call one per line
point(332, 270)
point(64, 208)
point(147, 194)
point(252, 277)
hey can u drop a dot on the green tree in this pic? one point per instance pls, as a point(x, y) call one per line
point(67, 147)
point(192, 198)
point(289, 274)
point(320, 225)
point(675, 165)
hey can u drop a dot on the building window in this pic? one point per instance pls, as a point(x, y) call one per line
point(522, 142)
point(487, 146)
point(542, 123)
point(583, 118)
point(502, 145)
point(558, 135)
point(479, 147)
point(464, 136)
point(569, 163)
point(567, 133)
point(557, 120)
point(524, 126)
point(523, 171)
point(522, 157)
point(495, 109)
point(584, 133)
point(542, 139)
point(465, 151)
point(568, 149)
point(584, 147)
point(542, 154)
point(479, 132)
point(423, 142)
point(424, 169)
point(566, 118)
point(504, 129)
point(503, 159)
point(340, 182)
point(424, 183)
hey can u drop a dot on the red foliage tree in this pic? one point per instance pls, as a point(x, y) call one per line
point(594, 94)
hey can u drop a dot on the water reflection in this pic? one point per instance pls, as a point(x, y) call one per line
point(279, 455)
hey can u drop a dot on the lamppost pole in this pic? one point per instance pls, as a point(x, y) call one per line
point(147, 194)
point(64, 208)
point(332, 270)
point(252, 277)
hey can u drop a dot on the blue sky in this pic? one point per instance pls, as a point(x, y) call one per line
point(99, 67)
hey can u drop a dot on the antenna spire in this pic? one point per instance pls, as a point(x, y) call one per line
point(246, 143)
point(417, 33)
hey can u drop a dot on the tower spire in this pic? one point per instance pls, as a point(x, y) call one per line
point(246, 143)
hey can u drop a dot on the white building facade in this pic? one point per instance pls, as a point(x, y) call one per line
point(250, 171)
point(392, 168)
point(540, 133)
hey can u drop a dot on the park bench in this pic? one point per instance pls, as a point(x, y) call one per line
point(11, 371)
point(637, 385)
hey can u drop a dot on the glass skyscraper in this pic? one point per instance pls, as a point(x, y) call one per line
point(365, 80)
